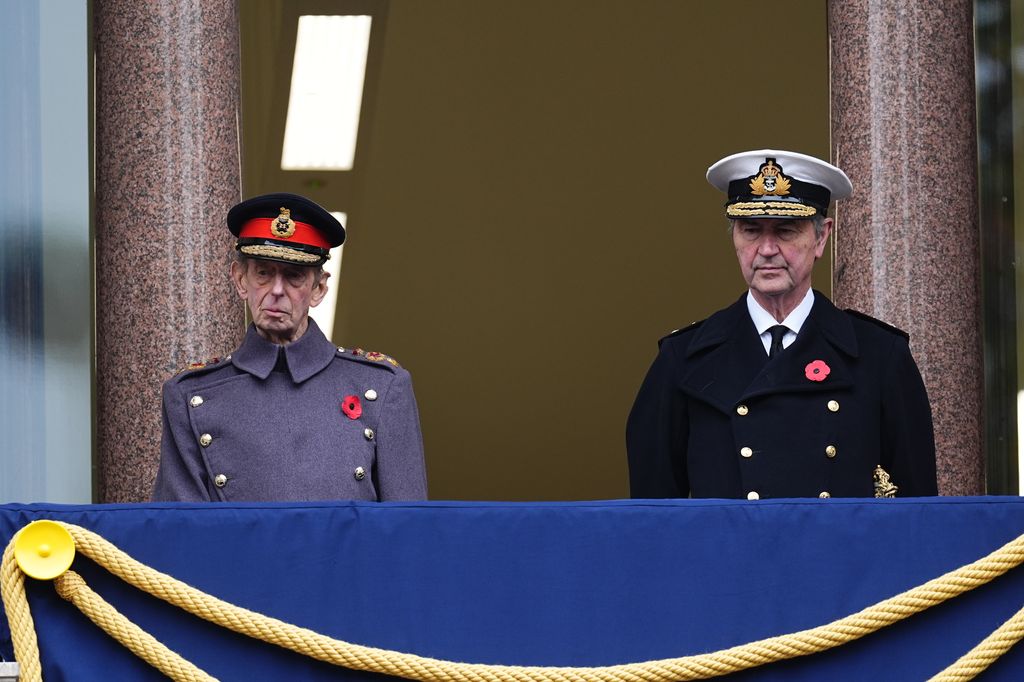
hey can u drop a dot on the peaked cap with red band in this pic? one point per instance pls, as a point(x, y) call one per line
point(772, 183)
point(285, 227)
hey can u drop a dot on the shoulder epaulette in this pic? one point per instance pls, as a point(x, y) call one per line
point(877, 322)
point(681, 330)
point(371, 356)
point(192, 366)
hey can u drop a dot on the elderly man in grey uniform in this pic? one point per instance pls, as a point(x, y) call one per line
point(289, 416)
point(781, 394)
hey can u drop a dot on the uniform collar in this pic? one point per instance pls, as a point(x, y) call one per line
point(834, 325)
point(763, 319)
point(721, 326)
point(726, 361)
point(304, 358)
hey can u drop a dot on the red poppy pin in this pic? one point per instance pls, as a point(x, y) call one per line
point(351, 406)
point(817, 370)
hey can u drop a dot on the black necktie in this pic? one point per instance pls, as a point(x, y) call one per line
point(777, 332)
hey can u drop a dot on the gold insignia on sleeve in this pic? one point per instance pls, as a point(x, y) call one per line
point(283, 226)
point(381, 357)
point(372, 355)
point(198, 365)
point(884, 487)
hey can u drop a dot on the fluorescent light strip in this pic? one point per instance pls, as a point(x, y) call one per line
point(326, 93)
point(324, 313)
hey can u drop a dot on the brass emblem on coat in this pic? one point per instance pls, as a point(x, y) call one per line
point(884, 487)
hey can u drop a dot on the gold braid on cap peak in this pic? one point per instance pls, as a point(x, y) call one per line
point(270, 251)
point(770, 208)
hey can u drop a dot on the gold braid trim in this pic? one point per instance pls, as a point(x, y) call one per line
point(746, 209)
point(279, 252)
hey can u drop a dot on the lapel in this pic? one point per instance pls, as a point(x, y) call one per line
point(727, 363)
point(310, 354)
point(256, 355)
point(723, 357)
point(828, 336)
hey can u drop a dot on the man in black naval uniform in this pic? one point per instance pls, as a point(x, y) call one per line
point(781, 394)
point(289, 416)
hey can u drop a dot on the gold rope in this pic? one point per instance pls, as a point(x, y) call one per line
point(356, 657)
point(72, 587)
point(19, 618)
point(986, 652)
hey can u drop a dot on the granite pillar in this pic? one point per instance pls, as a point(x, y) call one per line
point(906, 245)
point(167, 170)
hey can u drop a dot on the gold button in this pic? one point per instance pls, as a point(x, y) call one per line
point(831, 451)
point(341, 349)
point(205, 439)
point(752, 495)
point(360, 473)
point(833, 406)
point(196, 401)
point(370, 394)
point(220, 480)
point(368, 433)
point(742, 410)
point(746, 452)
point(824, 495)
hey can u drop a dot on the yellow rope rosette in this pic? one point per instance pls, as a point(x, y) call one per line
point(41, 554)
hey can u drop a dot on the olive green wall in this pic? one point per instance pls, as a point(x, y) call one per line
point(528, 213)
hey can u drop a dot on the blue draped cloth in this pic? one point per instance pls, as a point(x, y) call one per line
point(560, 584)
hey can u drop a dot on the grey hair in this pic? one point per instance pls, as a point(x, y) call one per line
point(819, 224)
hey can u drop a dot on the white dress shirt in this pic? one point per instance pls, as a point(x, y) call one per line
point(763, 320)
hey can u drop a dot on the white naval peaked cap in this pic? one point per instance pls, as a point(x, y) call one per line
point(773, 183)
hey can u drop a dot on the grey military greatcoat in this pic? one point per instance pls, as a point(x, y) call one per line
point(305, 421)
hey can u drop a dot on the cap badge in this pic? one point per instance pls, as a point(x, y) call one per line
point(769, 180)
point(283, 226)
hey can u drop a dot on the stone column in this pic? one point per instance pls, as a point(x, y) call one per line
point(167, 170)
point(906, 247)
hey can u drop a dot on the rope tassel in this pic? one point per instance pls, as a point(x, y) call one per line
point(70, 586)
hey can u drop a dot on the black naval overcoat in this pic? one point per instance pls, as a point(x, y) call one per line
point(267, 423)
point(716, 418)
